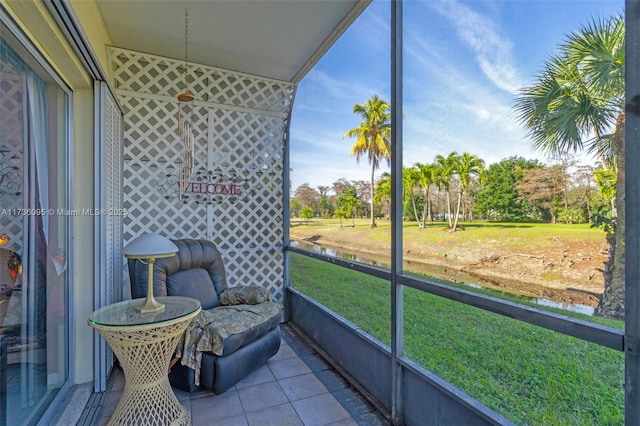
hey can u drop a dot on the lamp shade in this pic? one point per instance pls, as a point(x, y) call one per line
point(148, 246)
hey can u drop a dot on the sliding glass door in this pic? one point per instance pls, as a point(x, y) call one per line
point(34, 234)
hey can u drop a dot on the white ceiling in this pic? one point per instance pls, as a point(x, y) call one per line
point(280, 39)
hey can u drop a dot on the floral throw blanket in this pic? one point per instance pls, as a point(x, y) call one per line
point(209, 329)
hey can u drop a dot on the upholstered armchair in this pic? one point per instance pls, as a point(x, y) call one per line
point(238, 329)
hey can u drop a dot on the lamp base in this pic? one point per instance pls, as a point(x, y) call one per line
point(150, 305)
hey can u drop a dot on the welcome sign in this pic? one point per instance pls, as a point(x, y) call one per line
point(205, 187)
point(211, 188)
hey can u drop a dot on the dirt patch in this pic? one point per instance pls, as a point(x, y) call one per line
point(565, 271)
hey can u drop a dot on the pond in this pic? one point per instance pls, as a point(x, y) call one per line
point(451, 277)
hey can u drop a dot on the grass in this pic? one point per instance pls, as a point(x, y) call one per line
point(526, 373)
point(534, 233)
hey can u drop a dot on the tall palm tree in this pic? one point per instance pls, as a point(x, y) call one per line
point(467, 165)
point(445, 168)
point(426, 178)
point(576, 104)
point(373, 137)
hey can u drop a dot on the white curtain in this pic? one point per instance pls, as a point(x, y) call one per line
point(35, 90)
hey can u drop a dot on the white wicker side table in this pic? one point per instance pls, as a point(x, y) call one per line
point(144, 344)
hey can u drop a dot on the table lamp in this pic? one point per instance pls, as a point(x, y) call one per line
point(150, 247)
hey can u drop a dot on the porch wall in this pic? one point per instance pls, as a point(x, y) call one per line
point(240, 133)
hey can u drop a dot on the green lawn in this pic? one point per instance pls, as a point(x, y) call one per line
point(526, 373)
point(513, 233)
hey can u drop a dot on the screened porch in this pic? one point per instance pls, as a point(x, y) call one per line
point(245, 63)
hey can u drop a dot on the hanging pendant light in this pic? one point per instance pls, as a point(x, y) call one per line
point(186, 110)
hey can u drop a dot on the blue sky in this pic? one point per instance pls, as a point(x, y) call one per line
point(463, 64)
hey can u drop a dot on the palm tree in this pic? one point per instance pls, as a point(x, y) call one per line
point(410, 180)
point(577, 103)
point(383, 193)
point(606, 181)
point(445, 168)
point(426, 178)
point(466, 166)
point(373, 137)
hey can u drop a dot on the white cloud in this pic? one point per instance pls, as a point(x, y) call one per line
point(326, 169)
point(493, 50)
point(483, 114)
point(449, 107)
point(337, 89)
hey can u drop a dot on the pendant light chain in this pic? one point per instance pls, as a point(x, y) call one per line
point(185, 116)
point(186, 49)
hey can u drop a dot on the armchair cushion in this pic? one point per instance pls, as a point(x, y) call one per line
point(224, 330)
point(196, 271)
point(249, 295)
point(194, 283)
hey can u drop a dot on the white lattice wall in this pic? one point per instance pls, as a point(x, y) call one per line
point(11, 156)
point(239, 140)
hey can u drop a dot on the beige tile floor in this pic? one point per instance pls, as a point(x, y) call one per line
point(296, 387)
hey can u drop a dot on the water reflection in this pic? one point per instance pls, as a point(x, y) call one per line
point(328, 251)
point(573, 307)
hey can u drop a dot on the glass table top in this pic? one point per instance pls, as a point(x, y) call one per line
point(124, 313)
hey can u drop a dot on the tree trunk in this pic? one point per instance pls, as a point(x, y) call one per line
point(449, 209)
point(612, 302)
point(425, 207)
point(373, 218)
point(455, 220)
point(589, 207)
point(415, 210)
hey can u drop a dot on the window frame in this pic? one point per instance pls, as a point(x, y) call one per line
point(627, 340)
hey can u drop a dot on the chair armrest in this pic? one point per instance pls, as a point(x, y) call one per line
point(244, 295)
